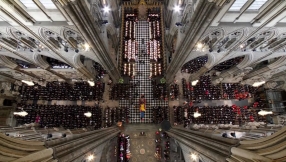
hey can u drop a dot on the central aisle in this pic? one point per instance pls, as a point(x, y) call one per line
point(141, 80)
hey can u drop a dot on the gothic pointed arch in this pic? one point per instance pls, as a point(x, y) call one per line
point(212, 38)
point(274, 44)
point(75, 39)
point(55, 39)
point(28, 41)
point(230, 40)
point(40, 61)
point(246, 61)
point(8, 62)
point(259, 39)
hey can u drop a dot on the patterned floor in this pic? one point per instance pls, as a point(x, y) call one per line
point(141, 81)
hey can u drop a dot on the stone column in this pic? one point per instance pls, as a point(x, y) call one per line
point(75, 146)
point(201, 18)
point(199, 73)
point(212, 147)
point(81, 17)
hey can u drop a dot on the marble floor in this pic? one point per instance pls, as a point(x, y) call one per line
point(143, 147)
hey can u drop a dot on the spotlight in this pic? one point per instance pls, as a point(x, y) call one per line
point(86, 47)
point(200, 45)
point(76, 50)
point(91, 83)
point(30, 83)
point(194, 83)
point(177, 8)
point(106, 9)
point(197, 114)
point(194, 156)
point(87, 114)
point(257, 84)
point(90, 157)
point(263, 112)
point(22, 113)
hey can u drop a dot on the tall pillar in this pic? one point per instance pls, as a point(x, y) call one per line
point(209, 146)
point(270, 148)
point(201, 18)
point(80, 15)
point(196, 76)
point(116, 14)
point(74, 147)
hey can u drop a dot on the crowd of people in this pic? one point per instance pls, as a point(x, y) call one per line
point(228, 64)
point(129, 69)
point(123, 148)
point(160, 91)
point(120, 92)
point(155, 69)
point(154, 46)
point(162, 141)
point(63, 91)
point(237, 91)
point(99, 69)
point(205, 90)
point(174, 91)
point(224, 114)
point(66, 116)
point(56, 64)
point(114, 115)
point(160, 113)
point(195, 64)
point(130, 48)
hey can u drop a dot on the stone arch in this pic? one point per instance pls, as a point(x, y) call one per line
point(274, 43)
point(74, 38)
point(256, 41)
point(40, 61)
point(230, 39)
point(211, 60)
point(54, 39)
point(281, 61)
point(246, 61)
point(55, 63)
point(264, 63)
point(77, 62)
point(93, 66)
point(26, 40)
point(10, 41)
point(212, 38)
point(19, 62)
point(7, 62)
